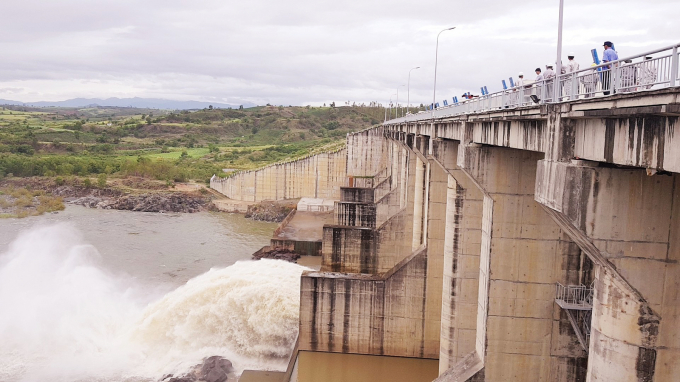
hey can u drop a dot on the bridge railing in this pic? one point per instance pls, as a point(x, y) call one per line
point(604, 79)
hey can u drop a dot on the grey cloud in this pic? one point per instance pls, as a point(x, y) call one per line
point(302, 51)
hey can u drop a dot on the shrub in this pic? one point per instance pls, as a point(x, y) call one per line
point(101, 180)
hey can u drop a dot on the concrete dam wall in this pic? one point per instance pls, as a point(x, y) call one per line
point(317, 176)
point(533, 244)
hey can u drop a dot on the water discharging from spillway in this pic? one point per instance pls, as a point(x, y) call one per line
point(63, 318)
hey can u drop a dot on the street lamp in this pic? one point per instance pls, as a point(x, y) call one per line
point(559, 55)
point(408, 89)
point(396, 107)
point(436, 52)
point(391, 106)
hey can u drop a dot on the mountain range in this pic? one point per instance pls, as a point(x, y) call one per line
point(151, 103)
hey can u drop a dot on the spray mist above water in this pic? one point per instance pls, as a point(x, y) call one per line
point(64, 318)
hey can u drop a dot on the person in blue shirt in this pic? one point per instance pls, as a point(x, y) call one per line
point(609, 55)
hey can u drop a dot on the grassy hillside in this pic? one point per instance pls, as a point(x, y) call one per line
point(167, 145)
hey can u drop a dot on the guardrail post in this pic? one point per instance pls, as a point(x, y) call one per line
point(674, 68)
point(614, 80)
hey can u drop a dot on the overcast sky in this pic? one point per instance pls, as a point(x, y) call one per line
point(300, 52)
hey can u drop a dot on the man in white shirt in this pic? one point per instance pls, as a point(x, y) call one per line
point(571, 67)
point(549, 77)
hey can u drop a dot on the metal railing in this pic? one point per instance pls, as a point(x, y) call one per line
point(600, 80)
point(577, 295)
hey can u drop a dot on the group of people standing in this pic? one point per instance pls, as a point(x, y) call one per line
point(633, 77)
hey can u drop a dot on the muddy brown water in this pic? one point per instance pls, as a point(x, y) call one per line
point(156, 248)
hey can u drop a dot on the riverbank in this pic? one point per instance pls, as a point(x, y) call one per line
point(130, 193)
point(20, 202)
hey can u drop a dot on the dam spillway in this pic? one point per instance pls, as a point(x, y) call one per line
point(453, 235)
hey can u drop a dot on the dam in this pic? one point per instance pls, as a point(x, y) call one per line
point(496, 240)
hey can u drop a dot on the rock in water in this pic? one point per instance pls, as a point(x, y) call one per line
point(213, 369)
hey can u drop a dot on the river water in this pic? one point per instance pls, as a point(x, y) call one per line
point(156, 248)
point(104, 295)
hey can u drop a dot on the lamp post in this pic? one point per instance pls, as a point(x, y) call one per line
point(556, 97)
point(408, 90)
point(391, 106)
point(396, 107)
point(436, 52)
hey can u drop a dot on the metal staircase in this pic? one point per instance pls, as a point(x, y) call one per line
point(577, 302)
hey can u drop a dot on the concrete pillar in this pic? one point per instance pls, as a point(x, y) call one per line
point(521, 334)
point(462, 246)
point(418, 203)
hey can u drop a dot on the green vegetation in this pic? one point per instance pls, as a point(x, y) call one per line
point(20, 202)
point(173, 146)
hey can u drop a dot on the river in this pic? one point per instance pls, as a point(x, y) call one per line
point(153, 247)
point(105, 295)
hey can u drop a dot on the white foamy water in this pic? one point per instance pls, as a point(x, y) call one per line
point(65, 318)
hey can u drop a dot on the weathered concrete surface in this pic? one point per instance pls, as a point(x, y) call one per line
point(372, 237)
point(528, 254)
point(462, 246)
point(630, 218)
point(452, 235)
point(317, 176)
point(619, 220)
point(301, 232)
point(304, 226)
point(366, 314)
point(393, 291)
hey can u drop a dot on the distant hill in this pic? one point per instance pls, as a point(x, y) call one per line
point(152, 103)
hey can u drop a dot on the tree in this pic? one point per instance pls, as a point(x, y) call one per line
point(210, 107)
point(333, 104)
point(240, 107)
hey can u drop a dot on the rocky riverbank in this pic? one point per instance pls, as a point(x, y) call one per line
point(121, 194)
point(213, 369)
point(157, 202)
point(277, 254)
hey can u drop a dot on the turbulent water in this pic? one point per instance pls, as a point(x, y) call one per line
point(64, 317)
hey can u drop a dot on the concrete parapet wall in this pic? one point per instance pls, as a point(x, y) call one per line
point(317, 176)
point(647, 141)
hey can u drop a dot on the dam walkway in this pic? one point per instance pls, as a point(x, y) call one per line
point(639, 75)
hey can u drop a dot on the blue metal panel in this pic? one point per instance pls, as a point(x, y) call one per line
point(512, 83)
point(596, 59)
point(455, 99)
point(486, 90)
point(482, 89)
point(446, 103)
point(505, 87)
point(436, 105)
